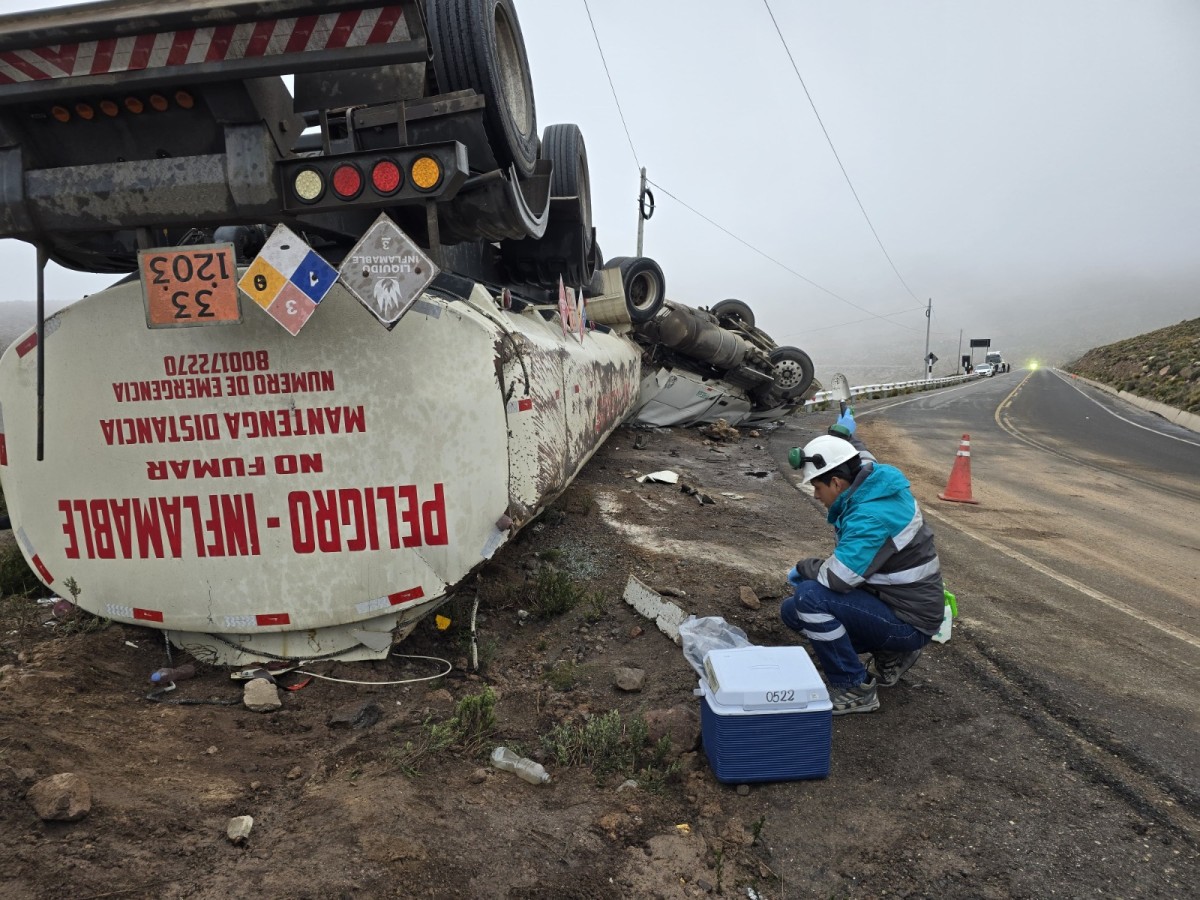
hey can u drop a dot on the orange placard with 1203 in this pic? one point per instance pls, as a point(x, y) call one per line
point(194, 285)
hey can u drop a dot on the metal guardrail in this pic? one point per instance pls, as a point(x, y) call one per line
point(890, 389)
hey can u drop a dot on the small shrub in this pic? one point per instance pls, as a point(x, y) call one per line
point(554, 594)
point(562, 676)
point(473, 722)
point(608, 745)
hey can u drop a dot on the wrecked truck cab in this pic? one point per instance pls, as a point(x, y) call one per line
point(703, 365)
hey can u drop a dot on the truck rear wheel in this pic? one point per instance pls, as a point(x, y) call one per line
point(793, 371)
point(477, 45)
point(734, 309)
point(645, 286)
point(566, 249)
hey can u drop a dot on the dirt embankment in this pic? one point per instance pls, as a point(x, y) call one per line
point(1162, 365)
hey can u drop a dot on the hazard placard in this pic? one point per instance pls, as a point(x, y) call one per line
point(194, 285)
point(386, 271)
point(288, 279)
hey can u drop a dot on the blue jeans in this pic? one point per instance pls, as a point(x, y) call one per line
point(841, 626)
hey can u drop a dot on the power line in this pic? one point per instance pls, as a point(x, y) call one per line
point(781, 265)
point(829, 140)
point(611, 86)
point(629, 138)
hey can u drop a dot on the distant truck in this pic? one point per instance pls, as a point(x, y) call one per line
point(996, 360)
point(186, 450)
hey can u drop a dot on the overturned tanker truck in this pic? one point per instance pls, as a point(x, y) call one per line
point(349, 354)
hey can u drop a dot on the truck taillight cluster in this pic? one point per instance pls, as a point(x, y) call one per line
point(135, 105)
point(375, 178)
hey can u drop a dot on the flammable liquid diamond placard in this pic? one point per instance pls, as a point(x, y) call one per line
point(386, 271)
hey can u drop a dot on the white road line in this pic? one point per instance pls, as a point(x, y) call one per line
point(1174, 632)
point(921, 396)
point(1122, 418)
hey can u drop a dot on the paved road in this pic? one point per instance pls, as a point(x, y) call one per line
point(1078, 571)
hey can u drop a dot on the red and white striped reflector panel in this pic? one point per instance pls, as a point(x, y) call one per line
point(117, 611)
point(249, 40)
point(262, 620)
point(397, 599)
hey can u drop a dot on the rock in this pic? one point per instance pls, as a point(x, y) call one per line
point(672, 592)
point(441, 695)
point(628, 679)
point(65, 797)
point(356, 715)
point(238, 829)
point(749, 598)
point(295, 773)
point(211, 751)
point(260, 695)
point(636, 631)
point(627, 785)
point(680, 723)
point(743, 790)
point(479, 776)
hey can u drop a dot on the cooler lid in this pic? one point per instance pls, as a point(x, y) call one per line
point(763, 678)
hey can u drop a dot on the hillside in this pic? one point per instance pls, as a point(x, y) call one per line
point(1162, 365)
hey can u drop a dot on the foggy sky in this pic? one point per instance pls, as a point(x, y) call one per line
point(1030, 166)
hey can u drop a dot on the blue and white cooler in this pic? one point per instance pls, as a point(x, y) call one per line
point(765, 715)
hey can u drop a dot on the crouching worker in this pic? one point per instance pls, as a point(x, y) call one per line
point(880, 591)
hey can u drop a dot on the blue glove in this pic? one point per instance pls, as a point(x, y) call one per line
point(794, 577)
point(846, 420)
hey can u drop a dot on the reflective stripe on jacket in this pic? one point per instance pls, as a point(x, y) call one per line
point(885, 547)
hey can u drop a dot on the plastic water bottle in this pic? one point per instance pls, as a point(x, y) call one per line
point(951, 610)
point(503, 758)
point(179, 673)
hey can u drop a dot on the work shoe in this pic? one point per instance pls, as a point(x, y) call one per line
point(886, 668)
point(860, 698)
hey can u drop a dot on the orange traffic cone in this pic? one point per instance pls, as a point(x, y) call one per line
point(958, 489)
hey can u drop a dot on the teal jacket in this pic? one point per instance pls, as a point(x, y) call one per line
point(883, 547)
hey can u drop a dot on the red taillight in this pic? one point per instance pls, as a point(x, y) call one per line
point(347, 181)
point(385, 177)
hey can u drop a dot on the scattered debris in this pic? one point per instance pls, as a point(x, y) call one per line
point(663, 477)
point(357, 715)
point(702, 498)
point(672, 592)
point(628, 679)
point(733, 496)
point(261, 695)
point(238, 829)
point(667, 616)
point(749, 598)
point(684, 828)
point(721, 430)
point(65, 797)
point(758, 473)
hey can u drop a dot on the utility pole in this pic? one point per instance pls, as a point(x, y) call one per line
point(928, 318)
point(642, 217)
point(960, 365)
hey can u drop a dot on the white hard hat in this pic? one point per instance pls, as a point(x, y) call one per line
point(822, 454)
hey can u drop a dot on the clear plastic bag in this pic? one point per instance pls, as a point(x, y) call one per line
point(699, 636)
